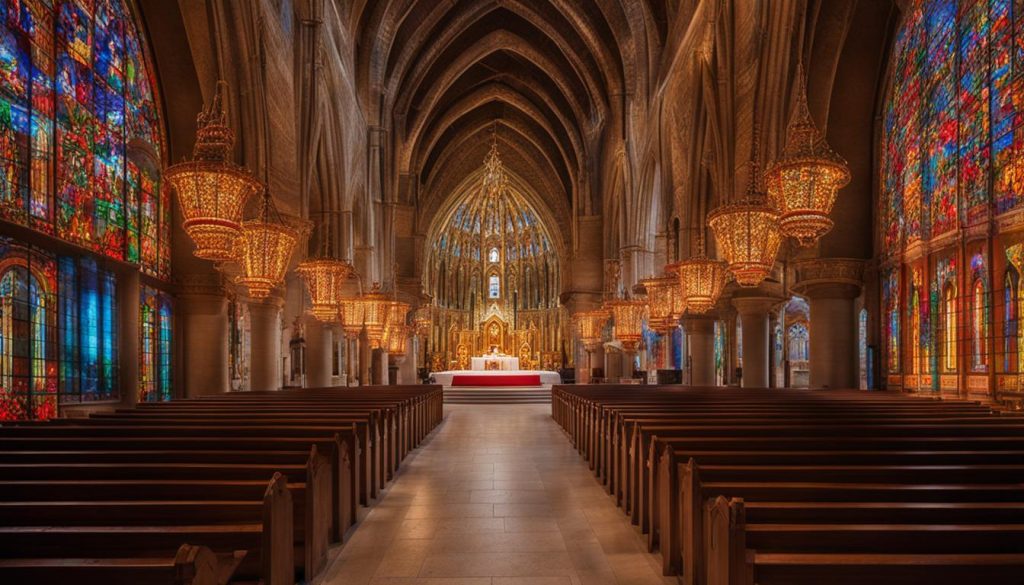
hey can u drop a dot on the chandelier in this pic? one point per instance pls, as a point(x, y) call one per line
point(661, 301)
point(747, 231)
point(324, 277)
point(376, 310)
point(397, 313)
point(629, 315)
point(804, 181)
point(701, 281)
point(212, 190)
point(351, 312)
point(397, 340)
point(591, 324)
point(265, 249)
point(423, 318)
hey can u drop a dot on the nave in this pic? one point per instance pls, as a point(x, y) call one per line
point(495, 496)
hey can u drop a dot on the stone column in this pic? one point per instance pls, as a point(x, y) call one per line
point(128, 300)
point(701, 334)
point(319, 353)
point(379, 367)
point(204, 318)
point(753, 313)
point(832, 285)
point(265, 363)
point(365, 355)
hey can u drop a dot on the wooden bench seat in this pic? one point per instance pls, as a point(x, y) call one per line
point(190, 565)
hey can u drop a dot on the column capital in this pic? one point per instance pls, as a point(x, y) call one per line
point(202, 285)
point(829, 277)
point(754, 305)
point(274, 301)
point(699, 323)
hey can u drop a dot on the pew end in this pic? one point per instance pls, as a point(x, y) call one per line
point(725, 542)
point(278, 533)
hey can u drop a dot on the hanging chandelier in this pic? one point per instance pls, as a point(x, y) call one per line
point(398, 338)
point(591, 325)
point(701, 281)
point(747, 231)
point(661, 293)
point(351, 312)
point(324, 277)
point(265, 249)
point(376, 310)
point(804, 181)
point(212, 190)
point(678, 300)
point(397, 313)
point(629, 315)
point(423, 318)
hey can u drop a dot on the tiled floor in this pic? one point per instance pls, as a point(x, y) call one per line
point(496, 496)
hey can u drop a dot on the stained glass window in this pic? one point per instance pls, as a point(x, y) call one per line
point(891, 299)
point(949, 328)
point(862, 347)
point(954, 119)
point(28, 332)
point(81, 145)
point(87, 302)
point(1010, 322)
point(155, 346)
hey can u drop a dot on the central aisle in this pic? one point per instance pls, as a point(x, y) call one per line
point(496, 496)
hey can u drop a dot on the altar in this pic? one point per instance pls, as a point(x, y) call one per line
point(491, 363)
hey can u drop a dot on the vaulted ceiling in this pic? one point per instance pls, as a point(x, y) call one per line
point(549, 75)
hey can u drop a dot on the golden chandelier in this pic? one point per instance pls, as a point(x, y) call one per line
point(212, 190)
point(351, 313)
point(701, 281)
point(591, 324)
point(376, 311)
point(747, 232)
point(629, 315)
point(804, 181)
point(265, 249)
point(661, 301)
point(324, 278)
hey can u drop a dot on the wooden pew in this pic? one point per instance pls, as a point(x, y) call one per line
point(760, 447)
point(267, 536)
point(190, 565)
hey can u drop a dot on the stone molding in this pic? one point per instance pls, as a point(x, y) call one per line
point(829, 277)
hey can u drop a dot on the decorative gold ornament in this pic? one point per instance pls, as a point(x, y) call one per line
point(398, 338)
point(701, 281)
point(397, 313)
point(324, 278)
point(352, 313)
point(661, 295)
point(804, 182)
point(376, 310)
point(678, 301)
point(748, 235)
point(591, 324)
point(265, 249)
point(424, 318)
point(212, 190)
point(629, 315)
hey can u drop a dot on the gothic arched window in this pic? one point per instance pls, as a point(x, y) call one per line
point(1011, 322)
point(979, 333)
point(80, 131)
point(494, 287)
point(949, 328)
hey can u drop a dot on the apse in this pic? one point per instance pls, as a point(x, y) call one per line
point(492, 270)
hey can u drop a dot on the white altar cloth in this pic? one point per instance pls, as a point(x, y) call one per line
point(445, 378)
point(505, 363)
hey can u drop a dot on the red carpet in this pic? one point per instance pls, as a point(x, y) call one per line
point(494, 380)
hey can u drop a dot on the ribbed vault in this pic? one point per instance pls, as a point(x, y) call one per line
point(549, 74)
